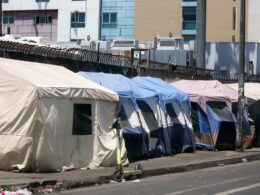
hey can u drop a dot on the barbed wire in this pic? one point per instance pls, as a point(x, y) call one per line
point(90, 56)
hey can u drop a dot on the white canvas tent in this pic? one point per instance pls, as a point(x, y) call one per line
point(52, 119)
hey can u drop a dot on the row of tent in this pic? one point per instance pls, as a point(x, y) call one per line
point(165, 119)
point(52, 119)
point(155, 116)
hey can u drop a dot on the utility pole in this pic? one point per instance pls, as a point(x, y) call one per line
point(201, 14)
point(1, 18)
point(241, 86)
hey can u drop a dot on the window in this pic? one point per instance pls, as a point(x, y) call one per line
point(42, 0)
point(234, 26)
point(8, 20)
point(4, 1)
point(233, 38)
point(78, 41)
point(189, 19)
point(106, 17)
point(167, 43)
point(109, 18)
point(42, 19)
point(8, 30)
point(78, 20)
point(113, 18)
point(82, 119)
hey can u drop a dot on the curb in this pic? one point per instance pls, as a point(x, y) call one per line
point(59, 185)
point(202, 165)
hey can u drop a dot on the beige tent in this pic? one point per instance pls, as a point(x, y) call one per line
point(252, 90)
point(52, 119)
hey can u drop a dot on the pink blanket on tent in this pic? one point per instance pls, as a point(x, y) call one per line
point(203, 91)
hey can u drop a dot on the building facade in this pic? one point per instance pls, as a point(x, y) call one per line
point(74, 20)
point(178, 17)
point(223, 18)
point(254, 21)
point(117, 19)
point(157, 18)
point(54, 20)
point(24, 23)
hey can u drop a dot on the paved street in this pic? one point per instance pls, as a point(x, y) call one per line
point(242, 179)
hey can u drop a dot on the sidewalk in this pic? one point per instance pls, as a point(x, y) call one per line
point(165, 165)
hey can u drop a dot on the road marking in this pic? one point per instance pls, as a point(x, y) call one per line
point(211, 185)
point(239, 189)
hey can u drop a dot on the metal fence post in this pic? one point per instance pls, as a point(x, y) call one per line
point(241, 93)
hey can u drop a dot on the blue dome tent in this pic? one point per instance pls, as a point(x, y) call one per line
point(176, 115)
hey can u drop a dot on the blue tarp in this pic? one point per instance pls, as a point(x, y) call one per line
point(116, 82)
point(165, 91)
point(124, 86)
point(180, 135)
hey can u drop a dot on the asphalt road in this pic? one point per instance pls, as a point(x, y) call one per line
point(240, 179)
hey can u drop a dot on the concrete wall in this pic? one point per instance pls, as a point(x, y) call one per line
point(93, 19)
point(254, 21)
point(220, 20)
point(160, 17)
point(176, 57)
point(65, 8)
point(227, 54)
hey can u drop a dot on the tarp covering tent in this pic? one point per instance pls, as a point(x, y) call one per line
point(175, 114)
point(252, 92)
point(134, 134)
point(52, 119)
point(213, 121)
